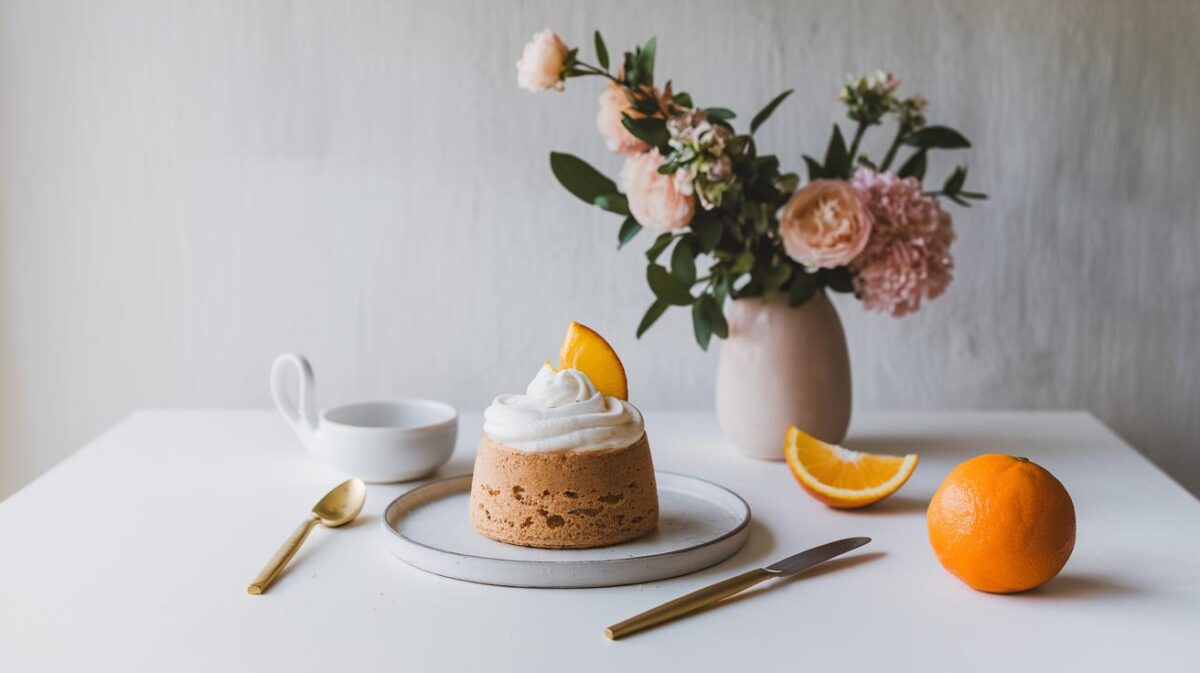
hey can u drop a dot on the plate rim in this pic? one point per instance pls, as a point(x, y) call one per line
point(742, 525)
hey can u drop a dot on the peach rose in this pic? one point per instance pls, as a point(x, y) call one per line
point(614, 102)
point(653, 199)
point(824, 225)
point(542, 62)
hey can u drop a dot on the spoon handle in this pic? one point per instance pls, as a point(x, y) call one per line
point(275, 566)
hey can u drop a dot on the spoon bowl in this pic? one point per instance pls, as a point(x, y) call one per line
point(341, 505)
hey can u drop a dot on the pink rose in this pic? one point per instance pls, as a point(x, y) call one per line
point(824, 225)
point(908, 258)
point(542, 62)
point(653, 199)
point(614, 102)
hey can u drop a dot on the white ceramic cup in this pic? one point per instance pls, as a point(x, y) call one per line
point(380, 442)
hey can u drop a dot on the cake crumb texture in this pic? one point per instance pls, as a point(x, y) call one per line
point(564, 499)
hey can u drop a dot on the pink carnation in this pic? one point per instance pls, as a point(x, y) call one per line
point(908, 257)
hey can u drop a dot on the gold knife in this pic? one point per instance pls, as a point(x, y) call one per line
point(702, 598)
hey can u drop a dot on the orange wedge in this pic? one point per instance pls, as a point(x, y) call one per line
point(843, 478)
point(587, 351)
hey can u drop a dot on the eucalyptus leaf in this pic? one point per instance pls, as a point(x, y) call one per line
point(613, 203)
point(683, 263)
point(955, 182)
point(629, 229)
point(815, 170)
point(711, 308)
point(646, 61)
point(579, 177)
point(652, 314)
point(601, 51)
point(651, 130)
point(839, 279)
point(665, 287)
point(803, 287)
point(777, 276)
point(700, 325)
point(718, 114)
point(767, 110)
point(941, 137)
point(707, 231)
point(837, 157)
point(658, 246)
point(743, 263)
point(915, 166)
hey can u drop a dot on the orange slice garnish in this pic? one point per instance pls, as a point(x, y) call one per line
point(843, 478)
point(587, 351)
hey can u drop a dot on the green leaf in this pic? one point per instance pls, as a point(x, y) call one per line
point(646, 61)
point(760, 215)
point(815, 170)
point(718, 114)
point(803, 287)
point(613, 203)
point(743, 263)
point(955, 182)
point(580, 178)
point(658, 246)
point(942, 137)
point(629, 229)
point(601, 51)
point(838, 280)
point(837, 157)
point(700, 326)
point(651, 130)
point(683, 99)
point(683, 263)
point(665, 287)
point(777, 276)
point(653, 313)
point(765, 113)
point(710, 308)
point(978, 196)
point(915, 166)
point(707, 231)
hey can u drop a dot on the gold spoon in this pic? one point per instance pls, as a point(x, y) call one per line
point(337, 508)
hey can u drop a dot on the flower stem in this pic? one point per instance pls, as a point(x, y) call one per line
point(593, 70)
point(901, 131)
point(858, 136)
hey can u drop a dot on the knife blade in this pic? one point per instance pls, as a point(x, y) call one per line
point(811, 557)
point(702, 598)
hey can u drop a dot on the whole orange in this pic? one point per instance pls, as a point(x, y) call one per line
point(1001, 524)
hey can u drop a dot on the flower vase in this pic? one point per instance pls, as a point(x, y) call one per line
point(781, 366)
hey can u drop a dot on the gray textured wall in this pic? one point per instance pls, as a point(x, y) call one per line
point(187, 188)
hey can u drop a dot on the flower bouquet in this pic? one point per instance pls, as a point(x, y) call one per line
point(862, 223)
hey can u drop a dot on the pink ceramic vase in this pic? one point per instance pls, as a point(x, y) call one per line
point(783, 366)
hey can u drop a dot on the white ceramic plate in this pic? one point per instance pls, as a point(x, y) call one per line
point(700, 524)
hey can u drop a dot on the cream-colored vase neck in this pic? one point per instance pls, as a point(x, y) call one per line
point(783, 366)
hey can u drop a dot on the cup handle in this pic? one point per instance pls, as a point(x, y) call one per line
point(303, 415)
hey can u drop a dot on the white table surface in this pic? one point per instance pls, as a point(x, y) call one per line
point(136, 551)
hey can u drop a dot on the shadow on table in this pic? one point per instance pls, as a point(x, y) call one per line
point(898, 504)
point(1069, 586)
point(316, 540)
point(898, 445)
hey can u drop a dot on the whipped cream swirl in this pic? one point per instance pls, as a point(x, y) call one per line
point(562, 410)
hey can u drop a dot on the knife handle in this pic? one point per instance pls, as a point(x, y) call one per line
point(687, 604)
